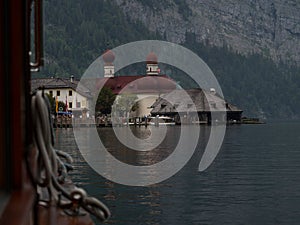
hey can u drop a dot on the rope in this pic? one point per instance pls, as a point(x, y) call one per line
point(52, 170)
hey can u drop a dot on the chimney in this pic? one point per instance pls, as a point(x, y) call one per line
point(72, 78)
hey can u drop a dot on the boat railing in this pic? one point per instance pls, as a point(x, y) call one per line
point(53, 166)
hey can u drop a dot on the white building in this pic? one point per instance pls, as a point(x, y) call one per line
point(65, 90)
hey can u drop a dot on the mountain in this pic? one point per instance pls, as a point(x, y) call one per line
point(267, 27)
point(262, 80)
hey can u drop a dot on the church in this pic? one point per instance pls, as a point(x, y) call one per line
point(152, 88)
point(147, 87)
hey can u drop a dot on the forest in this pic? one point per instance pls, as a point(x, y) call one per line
point(77, 32)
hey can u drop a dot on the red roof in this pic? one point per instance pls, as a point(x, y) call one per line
point(138, 84)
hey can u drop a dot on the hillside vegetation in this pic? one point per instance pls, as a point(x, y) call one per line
point(77, 32)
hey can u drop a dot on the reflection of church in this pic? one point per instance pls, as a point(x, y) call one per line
point(147, 88)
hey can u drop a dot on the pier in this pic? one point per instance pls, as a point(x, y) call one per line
point(69, 122)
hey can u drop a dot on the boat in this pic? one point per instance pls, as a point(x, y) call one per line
point(161, 120)
point(35, 188)
point(246, 120)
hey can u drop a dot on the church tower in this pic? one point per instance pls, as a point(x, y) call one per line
point(108, 58)
point(152, 64)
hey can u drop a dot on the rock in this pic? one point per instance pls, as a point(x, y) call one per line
point(271, 28)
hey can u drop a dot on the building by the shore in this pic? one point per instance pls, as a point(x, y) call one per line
point(77, 98)
point(204, 102)
point(146, 87)
point(150, 90)
point(153, 88)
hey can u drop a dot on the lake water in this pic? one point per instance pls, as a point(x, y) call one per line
point(255, 179)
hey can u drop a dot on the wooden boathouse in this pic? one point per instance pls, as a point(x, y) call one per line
point(205, 102)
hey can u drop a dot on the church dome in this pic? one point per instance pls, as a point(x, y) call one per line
point(155, 84)
point(108, 57)
point(151, 58)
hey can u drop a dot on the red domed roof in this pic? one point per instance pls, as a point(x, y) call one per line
point(138, 84)
point(108, 56)
point(151, 58)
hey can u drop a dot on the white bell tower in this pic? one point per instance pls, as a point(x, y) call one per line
point(109, 68)
point(152, 64)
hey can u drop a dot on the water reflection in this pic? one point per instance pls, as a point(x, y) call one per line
point(140, 158)
point(254, 180)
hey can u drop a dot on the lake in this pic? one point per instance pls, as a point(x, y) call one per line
point(255, 179)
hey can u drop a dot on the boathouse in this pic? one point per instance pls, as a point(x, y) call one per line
point(205, 103)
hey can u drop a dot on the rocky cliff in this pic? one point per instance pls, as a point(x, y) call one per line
point(268, 27)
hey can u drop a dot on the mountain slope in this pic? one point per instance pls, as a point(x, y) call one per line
point(77, 32)
point(270, 28)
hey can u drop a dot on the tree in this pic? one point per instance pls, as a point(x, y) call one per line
point(51, 102)
point(126, 103)
point(74, 37)
point(105, 101)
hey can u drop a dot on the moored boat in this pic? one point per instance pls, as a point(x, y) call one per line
point(161, 120)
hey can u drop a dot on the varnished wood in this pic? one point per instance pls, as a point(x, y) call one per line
point(15, 132)
point(17, 68)
point(56, 216)
point(2, 97)
point(19, 210)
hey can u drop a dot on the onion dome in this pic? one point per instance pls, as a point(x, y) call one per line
point(152, 58)
point(108, 57)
